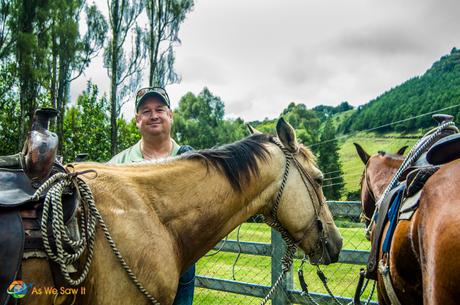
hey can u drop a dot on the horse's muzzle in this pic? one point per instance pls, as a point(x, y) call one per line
point(329, 252)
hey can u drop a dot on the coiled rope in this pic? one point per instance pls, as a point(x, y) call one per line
point(90, 217)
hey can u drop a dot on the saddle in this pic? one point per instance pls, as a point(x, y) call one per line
point(445, 149)
point(20, 214)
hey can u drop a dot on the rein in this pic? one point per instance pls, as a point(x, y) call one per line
point(371, 194)
point(288, 257)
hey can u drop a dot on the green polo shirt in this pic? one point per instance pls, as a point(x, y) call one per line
point(134, 154)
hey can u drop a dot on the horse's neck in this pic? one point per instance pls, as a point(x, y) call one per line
point(203, 208)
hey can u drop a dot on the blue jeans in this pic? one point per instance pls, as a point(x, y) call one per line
point(186, 287)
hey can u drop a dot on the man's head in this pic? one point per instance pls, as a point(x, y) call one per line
point(153, 113)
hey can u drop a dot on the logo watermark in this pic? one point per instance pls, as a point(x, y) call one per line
point(18, 289)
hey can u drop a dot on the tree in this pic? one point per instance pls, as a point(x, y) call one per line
point(70, 53)
point(123, 69)
point(199, 121)
point(329, 163)
point(129, 134)
point(165, 18)
point(29, 25)
point(6, 40)
point(85, 125)
point(9, 112)
point(305, 121)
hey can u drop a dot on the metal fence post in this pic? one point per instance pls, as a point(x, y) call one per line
point(280, 297)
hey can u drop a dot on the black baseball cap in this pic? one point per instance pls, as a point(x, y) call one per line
point(146, 92)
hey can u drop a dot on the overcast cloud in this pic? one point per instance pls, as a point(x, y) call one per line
point(260, 55)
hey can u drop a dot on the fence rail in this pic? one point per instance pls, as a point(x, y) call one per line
point(356, 257)
point(285, 294)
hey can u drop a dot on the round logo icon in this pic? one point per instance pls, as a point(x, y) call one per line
point(18, 289)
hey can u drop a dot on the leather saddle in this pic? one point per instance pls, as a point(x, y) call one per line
point(20, 214)
point(445, 149)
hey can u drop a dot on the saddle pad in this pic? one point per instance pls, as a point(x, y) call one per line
point(15, 188)
point(377, 234)
point(393, 219)
point(11, 249)
point(409, 206)
point(445, 150)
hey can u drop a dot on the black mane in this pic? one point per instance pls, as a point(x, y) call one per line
point(237, 161)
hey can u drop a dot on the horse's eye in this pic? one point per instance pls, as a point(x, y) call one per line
point(319, 180)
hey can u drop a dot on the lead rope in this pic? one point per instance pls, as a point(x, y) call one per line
point(90, 218)
point(323, 279)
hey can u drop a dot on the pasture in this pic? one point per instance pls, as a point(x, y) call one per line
point(342, 277)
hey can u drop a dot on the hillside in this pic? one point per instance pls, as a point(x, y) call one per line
point(352, 166)
point(437, 88)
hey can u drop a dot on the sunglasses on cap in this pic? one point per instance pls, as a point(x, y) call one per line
point(143, 93)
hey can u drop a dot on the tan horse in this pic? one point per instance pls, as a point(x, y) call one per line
point(164, 216)
point(424, 264)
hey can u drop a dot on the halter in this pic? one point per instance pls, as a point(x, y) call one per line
point(308, 181)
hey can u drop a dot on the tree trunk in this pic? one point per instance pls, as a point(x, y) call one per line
point(114, 70)
point(61, 100)
point(152, 42)
point(24, 56)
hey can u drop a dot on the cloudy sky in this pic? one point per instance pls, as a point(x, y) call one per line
point(260, 55)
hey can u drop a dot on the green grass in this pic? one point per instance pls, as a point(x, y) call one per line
point(257, 269)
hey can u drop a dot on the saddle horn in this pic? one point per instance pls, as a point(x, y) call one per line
point(442, 118)
point(41, 145)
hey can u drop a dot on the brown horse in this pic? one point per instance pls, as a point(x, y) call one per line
point(424, 268)
point(165, 215)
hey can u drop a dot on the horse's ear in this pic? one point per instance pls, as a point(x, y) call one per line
point(401, 150)
point(287, 136)
point(361, 153)
point(252, 130)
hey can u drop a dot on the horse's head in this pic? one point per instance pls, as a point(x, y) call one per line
point(378, 171)
point(302, 209)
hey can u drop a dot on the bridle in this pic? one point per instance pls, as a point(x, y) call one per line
point(369, 192)
point(287, 259)
point(309, 183)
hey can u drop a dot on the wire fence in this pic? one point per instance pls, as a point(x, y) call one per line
point(234, 265)
point(257, 269)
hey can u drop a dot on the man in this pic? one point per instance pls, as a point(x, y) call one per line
point(154, 119)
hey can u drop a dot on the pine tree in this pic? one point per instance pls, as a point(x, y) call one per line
point(329, 163)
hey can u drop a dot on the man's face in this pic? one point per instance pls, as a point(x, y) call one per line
point(154, 118)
